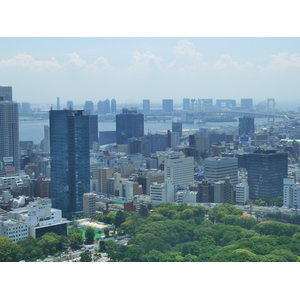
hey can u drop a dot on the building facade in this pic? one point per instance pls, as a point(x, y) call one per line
point(70, 159)
point(218, 168)
point(9, 130)
point(129, 124)
point(266, 171)
point(246, 125)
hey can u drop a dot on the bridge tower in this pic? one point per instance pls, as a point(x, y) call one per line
point(272, 100)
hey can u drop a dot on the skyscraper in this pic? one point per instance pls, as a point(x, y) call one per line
point(167, 105)
point(9, 129)
point(218, 168)
point(266, 171)
point(177, 127)
point(93, 129)
point(89, 107)
point(247, 103)
point(57, 103)
point(70, 105)
point(129, 124)
point(46, 139)
point(146, 106)
point(70, 161)
point(246, 125)
point(113, 106)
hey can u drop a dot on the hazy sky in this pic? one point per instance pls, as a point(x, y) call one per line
point(132, 69)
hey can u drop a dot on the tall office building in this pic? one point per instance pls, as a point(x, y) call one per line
point(113, 106)
point(25, 108)
point(247, 103)
point(246, 125)
point(218, 168)
point(201, 145)
point(225, 103)
point(186, 104)
point(177, 127)
point(179, 169)
point(103, 107)
point(9, 130)
point(5, 93)
point(89, 107)
point(266, 171)
point(70, 105)
point(46, 139)
point(103, 175)
point(70, 159)
point(146, 106)
point(93, 129)
point(167, 105)
point(129, 124)
point(57, 103)
point(139, 145)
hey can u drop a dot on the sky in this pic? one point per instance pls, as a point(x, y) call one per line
point(132, 69)
point(132, 51)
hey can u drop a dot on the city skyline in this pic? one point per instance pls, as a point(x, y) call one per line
point(133, 69)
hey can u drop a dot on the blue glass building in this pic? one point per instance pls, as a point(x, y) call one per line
point(129, 124)
point(70, 161)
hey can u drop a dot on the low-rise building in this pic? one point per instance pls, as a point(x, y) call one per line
point(13, 229)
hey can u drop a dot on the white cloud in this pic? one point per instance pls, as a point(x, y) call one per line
point(226, 61)
point(185, 47)
point(26, 61)
point(76, 60)
point(143, 62)
point(101, 61)
point(285, 60)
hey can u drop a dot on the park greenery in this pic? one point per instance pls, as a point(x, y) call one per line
point(180, 233)
point(174, 233)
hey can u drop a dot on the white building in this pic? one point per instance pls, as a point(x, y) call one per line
point(242, 192)
point(291, 193)
point(40, 217)
point(186, 196)
point(13, 229)
point(9, 180)
point(179, 169)
point(162, 192)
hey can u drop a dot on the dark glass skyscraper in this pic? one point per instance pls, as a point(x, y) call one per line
point(129, 124)
point(246, 125)
point(70, 161)
point(266, 170)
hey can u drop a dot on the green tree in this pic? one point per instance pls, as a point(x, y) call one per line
point(143, 211)
point(90, 234)
point(49, 243)
point(120, 218)
point(106, 232)
point(75, 240)
point(74, 230)
point(8, 250)
point(102, 247)
point(109, 218)
point(85, 256)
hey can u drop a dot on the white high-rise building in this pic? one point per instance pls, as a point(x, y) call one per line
point(9, 130)
point(162, 192)
point(291, 193)
point(242, 192)
point(179, 169)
